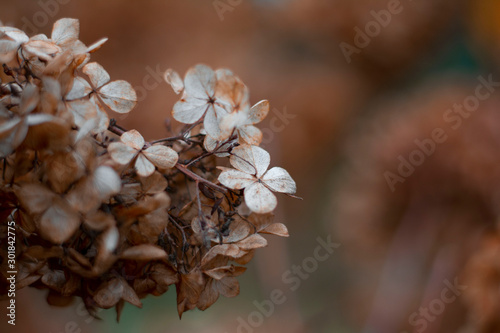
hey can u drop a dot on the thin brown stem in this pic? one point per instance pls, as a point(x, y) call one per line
point(182, 168)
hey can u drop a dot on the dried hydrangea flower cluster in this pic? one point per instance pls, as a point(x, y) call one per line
point(106, 216)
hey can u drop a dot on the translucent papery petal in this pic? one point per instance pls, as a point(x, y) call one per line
point(59, 223)
point(44, 50)
point(121, 153)
point(97, 74)
point(106, 182)
point(211, 145)
point(279, 180)
point(162, 156)
point(189, 110)
point(143, 166)
point(200, 82)
point(102, 117)
point(154, 184)
point(65, 30)
point(258, 112)
point(15, 34)
point(231, 89)
point(260, 199)
point(211, 124)
point(75, 47)
point(82, 110)
point(97, 45)
point(233, 120)
point(119, 96)
point(41, 118)
point(12, 134)
point(80, 88)
point(250, 134)
point(133, 139)
point(30, 99)
point(175, 81)
point(235, 179)
point(250, 159)
point(35, 198)
point(7, 50)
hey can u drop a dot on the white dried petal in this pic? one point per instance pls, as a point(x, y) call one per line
point(189, 110)
point(200, 82)
point(106, 182)
point(119, 96)
point(175, 81)
point(143, 166)
point(235, 179)
point(121, 153)
point(97, 74)
point(260, 199)
point(133, 139)
point(279, 180)
point(250, 159)
point(65, 31)
point(97, 45)
point(80, 88)
point(162, 156)
point(250, 135)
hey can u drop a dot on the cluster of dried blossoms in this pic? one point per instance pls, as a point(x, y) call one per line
point(104, 215)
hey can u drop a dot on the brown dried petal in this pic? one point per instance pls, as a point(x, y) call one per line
point(36, 198)
point(228, 250)
point(228, 287)
point(278, 229)
point(209, 295)
point(109, 293)
point(59, 222)
point(254, 241)
point(189, 289)
point(144, 252)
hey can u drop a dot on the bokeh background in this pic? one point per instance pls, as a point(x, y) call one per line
point(339, 124)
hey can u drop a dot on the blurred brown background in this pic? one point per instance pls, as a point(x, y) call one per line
point(352, 86)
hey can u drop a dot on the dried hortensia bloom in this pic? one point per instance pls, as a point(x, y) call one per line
point(100, 213)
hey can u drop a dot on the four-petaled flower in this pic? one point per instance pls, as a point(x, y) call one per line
point(251, 174)
point(243, 122)
point(132, 146)
point(199, 100)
